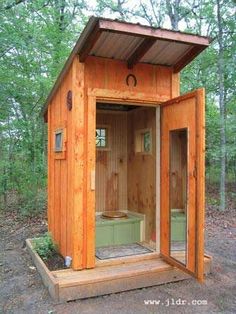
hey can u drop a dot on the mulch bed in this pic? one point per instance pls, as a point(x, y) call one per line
point(55, 262)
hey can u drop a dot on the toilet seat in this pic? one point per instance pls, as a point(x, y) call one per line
point(114, 214)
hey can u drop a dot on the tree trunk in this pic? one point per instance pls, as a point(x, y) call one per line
point(173, 13)
point(222, 107)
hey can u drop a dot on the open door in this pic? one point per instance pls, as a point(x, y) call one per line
point(182, 182)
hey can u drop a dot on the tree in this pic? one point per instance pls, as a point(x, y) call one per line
point(221, 104)
point(118, 8)
point(36, 38)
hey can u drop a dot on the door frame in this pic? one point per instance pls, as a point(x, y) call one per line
point(128, 98)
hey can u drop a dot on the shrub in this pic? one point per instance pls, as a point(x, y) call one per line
point(45, 246)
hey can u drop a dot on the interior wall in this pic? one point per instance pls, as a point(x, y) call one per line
point(111, 163)
point(141, 180)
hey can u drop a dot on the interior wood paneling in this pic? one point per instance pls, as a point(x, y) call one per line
point(142, 168)
point(111, 163)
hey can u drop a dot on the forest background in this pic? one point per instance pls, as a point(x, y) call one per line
point(36, 38)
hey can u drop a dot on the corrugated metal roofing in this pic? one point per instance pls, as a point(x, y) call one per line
point(165, 53)
point(115, 46)
point(121, 47)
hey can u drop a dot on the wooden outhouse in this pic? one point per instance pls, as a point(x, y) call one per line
point(126, 157)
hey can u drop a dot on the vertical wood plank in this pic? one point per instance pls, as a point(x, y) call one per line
point(111, 163)
point(141, 169)
point(175, 85)
point(64, 173)
point(70, 173)
point(90, 219)
point(57, 172)
point(200, 182)
point(85, 181)
point(163, 81)
point(191, 184)
point(158, 181)
point(50, 181)
point(78, 163)
point(52, 172)
point(165, 189)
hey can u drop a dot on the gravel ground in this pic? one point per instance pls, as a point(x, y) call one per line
point(22, 291)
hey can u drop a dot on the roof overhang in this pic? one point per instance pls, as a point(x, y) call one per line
point(133, 43)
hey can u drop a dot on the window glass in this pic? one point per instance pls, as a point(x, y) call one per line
point(101, 137)
point(58, 141)
point(146, 142)
point(143, 141)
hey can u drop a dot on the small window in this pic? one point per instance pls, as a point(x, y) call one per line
point(101, 137)
point(146, 142)
point(143, 141)
point(58, 140)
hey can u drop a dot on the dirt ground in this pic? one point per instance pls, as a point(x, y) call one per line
point(22, 291)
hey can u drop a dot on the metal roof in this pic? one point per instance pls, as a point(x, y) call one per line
point(115, 46)
point(133, 43)
point(122, 46)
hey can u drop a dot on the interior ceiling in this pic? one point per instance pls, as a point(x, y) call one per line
point(115, 107)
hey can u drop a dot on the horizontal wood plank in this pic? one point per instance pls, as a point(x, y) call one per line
point(134, 98)
point(67, 284)
point(146, 279)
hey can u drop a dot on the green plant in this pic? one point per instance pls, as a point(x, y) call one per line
point(213, 201)
point(45, 246)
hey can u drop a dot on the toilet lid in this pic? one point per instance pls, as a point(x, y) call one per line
point(114, 214)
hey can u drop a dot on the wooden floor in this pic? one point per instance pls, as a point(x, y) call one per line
point(132, 273)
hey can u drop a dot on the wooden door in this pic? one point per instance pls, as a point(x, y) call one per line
point(182, 182)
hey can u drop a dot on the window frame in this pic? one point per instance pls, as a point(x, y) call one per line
point(60, 153)
point(58, 149)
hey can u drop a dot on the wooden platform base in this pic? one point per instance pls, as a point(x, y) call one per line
point(65, 285)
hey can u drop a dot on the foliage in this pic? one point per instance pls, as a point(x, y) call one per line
point(36, 39)
point(45, 246)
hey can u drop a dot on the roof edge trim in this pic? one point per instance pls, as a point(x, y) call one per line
point(148, 31)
